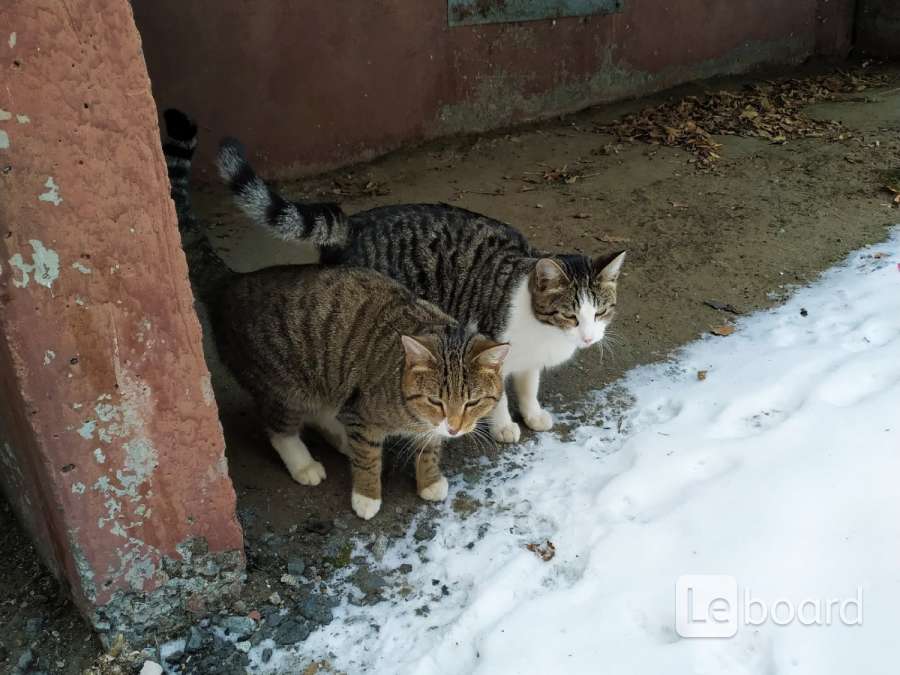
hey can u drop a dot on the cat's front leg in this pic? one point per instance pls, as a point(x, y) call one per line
point(526, 384)
point(365, 469)
point(431, 484)
point(503, 428)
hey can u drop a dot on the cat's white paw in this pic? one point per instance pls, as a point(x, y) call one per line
point(506, 433)
point(364, 507)
point(312, 473)
point(435, 492)
point(539, 421)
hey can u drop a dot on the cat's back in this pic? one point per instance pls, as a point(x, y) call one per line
point(425, 224)
point(290, 292)
point(464, 262)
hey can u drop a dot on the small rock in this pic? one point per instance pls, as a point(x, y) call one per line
point(274, 619)
point(317, 608)
point(175, 656)
point(291, 632)
point(290, 580)
point(25, 660)
point(379, 547)
point(267, 655)
point(239, 627)
point(370, 583)
point(296, 566)
point(33, 627)
point(209, 568)
point(243, 646)
point(255, 615)
point(424, 532)
point(151, 668)
point(194, 641)
point(319, 526)
point(240, 607)
point(405, 568)
point(275, 599)
point(803, 312)
point(464, 505)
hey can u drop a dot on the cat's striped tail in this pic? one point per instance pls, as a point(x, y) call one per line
point(321, 224)
point(179, 149)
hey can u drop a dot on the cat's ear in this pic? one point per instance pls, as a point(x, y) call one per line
point(548, 275)
point(489, 354)
point(418, 355)
point(607, 268)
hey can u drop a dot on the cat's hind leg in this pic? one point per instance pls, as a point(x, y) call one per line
point(332, 430)
point(283, 424)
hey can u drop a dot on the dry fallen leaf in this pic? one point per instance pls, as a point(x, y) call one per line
point(774, 110)
point(701, 374)
point(582, 215)
point(880, 254)
point(723, 330)
point(545, 552)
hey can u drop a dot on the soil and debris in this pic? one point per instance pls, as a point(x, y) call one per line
point(800, 167)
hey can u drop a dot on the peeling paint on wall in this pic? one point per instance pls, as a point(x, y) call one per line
point(44, 265)
point(12, 40)
point(4, 140)
point(86, 430)
point(99, 456)
point(209, 397)
point(49, 355)
point(52, 193)
point(5, 115)
point(84, 269)
point(23, 119)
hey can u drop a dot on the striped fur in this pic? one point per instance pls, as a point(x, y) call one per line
point(321, 224)
point(179, 150)
point(477, 269)
point(355, 352)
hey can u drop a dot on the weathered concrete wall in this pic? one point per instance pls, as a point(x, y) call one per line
point(110, 443)
point(878, 27)
point(309, 85)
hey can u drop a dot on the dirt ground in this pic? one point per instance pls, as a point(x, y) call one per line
point(767, 217)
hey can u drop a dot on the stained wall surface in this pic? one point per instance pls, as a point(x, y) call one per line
point(309, 85)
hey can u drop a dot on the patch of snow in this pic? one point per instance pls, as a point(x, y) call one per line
point(778, 470)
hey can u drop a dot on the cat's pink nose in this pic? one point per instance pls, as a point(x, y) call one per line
point(452, 431)
point(587, 341)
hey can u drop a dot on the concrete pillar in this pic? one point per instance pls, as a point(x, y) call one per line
point(110, 446)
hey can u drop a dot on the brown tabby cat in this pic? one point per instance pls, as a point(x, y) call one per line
point(358, 356)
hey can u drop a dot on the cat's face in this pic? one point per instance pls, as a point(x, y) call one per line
point(452, 380)
point(576, 294)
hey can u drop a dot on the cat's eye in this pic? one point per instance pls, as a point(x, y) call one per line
point(473, 402)
point(569, 317)
point(436, 402)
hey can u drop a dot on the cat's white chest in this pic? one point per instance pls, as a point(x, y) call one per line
point(533, 345)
